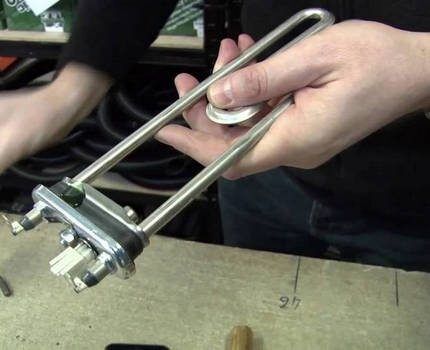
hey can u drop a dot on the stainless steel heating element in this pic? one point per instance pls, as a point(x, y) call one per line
point(101, 237)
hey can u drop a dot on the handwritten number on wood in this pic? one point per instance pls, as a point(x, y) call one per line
point(284, 302)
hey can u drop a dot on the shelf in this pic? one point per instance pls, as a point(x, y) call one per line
point(163, 41)
point(168, 50)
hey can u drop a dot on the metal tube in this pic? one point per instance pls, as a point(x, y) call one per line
point(116, 154)
point(169, 209)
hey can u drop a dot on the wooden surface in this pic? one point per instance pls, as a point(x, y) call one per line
point(187, 295)
point(163, 41)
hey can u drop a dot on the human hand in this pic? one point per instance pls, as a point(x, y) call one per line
point(348, 81)
point(31, 119)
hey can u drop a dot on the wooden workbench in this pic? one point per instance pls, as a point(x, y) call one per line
point(187, 295)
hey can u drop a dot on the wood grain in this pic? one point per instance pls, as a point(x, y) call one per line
point(188, 295)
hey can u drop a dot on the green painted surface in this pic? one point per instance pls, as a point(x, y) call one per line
point(58, 18)
point(2, 17)
point(186, 19)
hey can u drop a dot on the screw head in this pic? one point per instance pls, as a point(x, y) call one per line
point(131, 214)
point(68, 237)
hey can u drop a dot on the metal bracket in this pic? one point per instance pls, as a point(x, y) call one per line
point(101, 237)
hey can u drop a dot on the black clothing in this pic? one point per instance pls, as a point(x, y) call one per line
point(110, 35)
point(267, 211)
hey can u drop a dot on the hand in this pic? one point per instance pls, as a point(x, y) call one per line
point(31, 119)
point(348, 81)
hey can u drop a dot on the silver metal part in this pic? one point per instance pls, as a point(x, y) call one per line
point(70, 264)
point(101, 267)
point(94, 235)
point(68, 237)
point(232, 117)
point(15, 226)
point(131, 214)
point(56, 209)
point(29, 221)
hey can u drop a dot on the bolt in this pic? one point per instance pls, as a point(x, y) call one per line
point(68, 237)
point(15, 226)
point(108, 261)
point(131, 214)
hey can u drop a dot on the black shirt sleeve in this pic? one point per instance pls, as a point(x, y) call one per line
point(110, 35)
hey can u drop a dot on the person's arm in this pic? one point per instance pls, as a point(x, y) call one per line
point(348, 81)
point(31, 119)
point(107, 38)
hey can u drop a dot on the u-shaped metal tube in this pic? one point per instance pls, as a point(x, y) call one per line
point(121, 150)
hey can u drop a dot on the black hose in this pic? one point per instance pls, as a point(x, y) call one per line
point(106, 125)
point(88, 157)
point(24, 71)
point(17, 70)
point(59, 152)
point(131, 108)
point(39, 176)
point(158, 182)
point(48, 159)
point(98, 146)
point(114, 133)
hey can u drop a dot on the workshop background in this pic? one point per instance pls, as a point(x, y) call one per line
point(30, 46)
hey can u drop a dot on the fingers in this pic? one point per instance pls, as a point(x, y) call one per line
point(295, 68)
point(271, 151)
point(199, 145)
point(205, 148)
point(196, 114)
point(206, 141)
point(228, 50)
point(244, 41)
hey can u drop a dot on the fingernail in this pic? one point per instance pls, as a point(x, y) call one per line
point(220, 93)
point(159, 136)
point(216, 67)
point(180, 92)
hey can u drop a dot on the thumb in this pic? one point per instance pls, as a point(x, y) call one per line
point(297, 67)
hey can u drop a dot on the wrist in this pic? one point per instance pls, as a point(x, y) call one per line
point(77, 90)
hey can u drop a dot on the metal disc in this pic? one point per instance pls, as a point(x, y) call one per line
point(231, 117)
